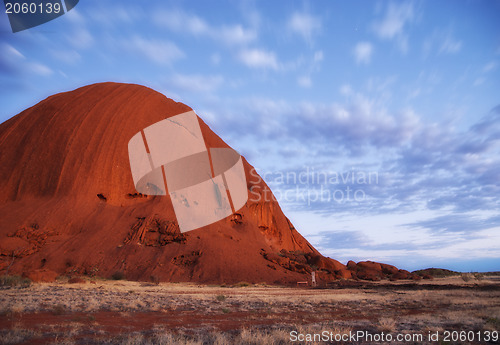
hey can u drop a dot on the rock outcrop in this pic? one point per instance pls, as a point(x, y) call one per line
point(374, 271)
point(69, 205)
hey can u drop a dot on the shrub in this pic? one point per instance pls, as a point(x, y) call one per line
point(58, 309)
point(386, 324)
point(155, 279)
point(17, 336)
point(14, 281)
point(242, 284)
point(221, 298)
point(466, 277)
point(494, 321)
point(118, 275)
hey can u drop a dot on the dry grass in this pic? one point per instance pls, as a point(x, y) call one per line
point(255, 314)
point(244, 337)
point(17, 335)
point(386, 324)
point(14, 281)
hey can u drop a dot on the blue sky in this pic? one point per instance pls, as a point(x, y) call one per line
point(313, 94)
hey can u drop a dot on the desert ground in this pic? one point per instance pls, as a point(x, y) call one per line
point(124, 312)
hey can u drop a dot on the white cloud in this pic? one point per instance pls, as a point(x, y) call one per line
point(362, 121)
point(160, 51)
point(197, 83)
point(181, 21)
point(305, 25)
point(363, 52)
point(257, 58)
point(359, 123)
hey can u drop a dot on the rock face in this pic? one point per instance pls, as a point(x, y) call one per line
point(69, 205)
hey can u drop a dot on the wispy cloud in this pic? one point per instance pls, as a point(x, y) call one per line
point(421, 165)
point(392, 26)
point(81, 38)
point(466, 224)
point(313, 65)
point(10, 53)
point(305, 81)
point(13, 62)
point(442, 42)
point(39, 68)
point(68, 56)
point(489, 67)
point(115, 16)
point(363, 52)
point(444, 250)
point(450, 45)
point(156, 50)
point(483, 76)
point(318, 56)
point(75, 17)
point(395, 19)
point(235, 34)
point(78, 35)
point(178, 20)
point(197, 83)
point(184, 22)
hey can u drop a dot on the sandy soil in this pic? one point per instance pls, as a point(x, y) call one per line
point(141, 313)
